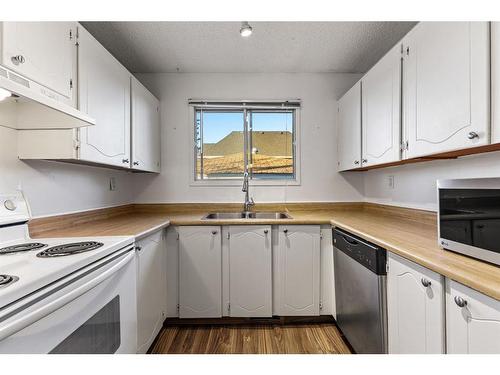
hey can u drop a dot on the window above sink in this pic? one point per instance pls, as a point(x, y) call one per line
point(233, 137)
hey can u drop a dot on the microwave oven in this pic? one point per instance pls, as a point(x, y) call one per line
point(469, 217)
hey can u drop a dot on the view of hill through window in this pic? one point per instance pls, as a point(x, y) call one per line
point(226, 146)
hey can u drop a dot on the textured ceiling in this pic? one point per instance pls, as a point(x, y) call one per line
point(155, 47)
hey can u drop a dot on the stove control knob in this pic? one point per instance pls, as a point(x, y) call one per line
point(10, 205)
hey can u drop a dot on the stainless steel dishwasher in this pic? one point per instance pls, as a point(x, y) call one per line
point(360, 292)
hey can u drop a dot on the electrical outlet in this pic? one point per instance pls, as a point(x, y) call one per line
point(390, 182)
point(112, 184)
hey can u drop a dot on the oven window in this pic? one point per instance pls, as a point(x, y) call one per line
point(471, 217)
point(98, 335)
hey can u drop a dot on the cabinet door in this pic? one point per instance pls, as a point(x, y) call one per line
point(415, 311)
point(151, 289)
point(44, 52)
point(327, 281)
point(472, 321)
point(349, 129)
point(104, 94)
point(298, 270)
point(446, 87)
point(146, 135)
point(200, 289)
point(381, 107)
point(250, 264)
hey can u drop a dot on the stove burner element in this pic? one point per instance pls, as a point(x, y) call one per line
point(21, 247)
point(5, 280)
point(69, 249)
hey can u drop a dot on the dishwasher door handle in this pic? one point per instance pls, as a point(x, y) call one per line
point(349, 240)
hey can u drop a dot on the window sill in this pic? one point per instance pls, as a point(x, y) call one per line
point(239, 182)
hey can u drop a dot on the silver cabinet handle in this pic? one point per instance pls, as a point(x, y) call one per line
point(214, 232)
point(18, 59)
point(425, 282)
point(460, 301)
point(125, 161)
point(356, 162)
point(472, 135)
point(266, 231)
point(135, 163)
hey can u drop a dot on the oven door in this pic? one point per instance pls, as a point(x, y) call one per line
point(90, 312)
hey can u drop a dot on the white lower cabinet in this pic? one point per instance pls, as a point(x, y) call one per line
point(327, 288)
point(151, 288)
point(415, 308)
point(298, 271)
point(250, 271)
point(472, 320)
point(200, 272)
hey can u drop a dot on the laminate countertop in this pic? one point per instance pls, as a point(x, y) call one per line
point(138, 225)
point(411, 234)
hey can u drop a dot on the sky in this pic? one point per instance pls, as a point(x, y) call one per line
point(217, 125)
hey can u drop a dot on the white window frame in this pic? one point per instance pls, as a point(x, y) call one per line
point(237, 181)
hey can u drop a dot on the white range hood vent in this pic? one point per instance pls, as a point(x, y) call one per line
point(30, 109)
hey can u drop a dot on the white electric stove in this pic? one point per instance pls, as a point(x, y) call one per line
point(63, 295)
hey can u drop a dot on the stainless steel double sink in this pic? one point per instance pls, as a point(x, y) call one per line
point(246, 215)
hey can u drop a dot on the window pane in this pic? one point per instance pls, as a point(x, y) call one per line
point(272, 145)
point(222, 148)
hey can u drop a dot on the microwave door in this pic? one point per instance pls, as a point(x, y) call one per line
point(469, 222)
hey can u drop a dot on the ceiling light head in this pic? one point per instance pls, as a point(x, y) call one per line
point(4, 94)
point(246, 29)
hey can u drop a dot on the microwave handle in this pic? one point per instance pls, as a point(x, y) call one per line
point(18, 324)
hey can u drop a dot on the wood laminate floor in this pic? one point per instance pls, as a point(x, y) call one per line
point(312, 338)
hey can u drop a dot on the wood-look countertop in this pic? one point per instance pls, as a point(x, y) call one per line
point(418, 242)
point(138, 225)
point(411, 234)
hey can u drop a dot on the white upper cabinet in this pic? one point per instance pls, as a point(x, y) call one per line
point(381, 107)
point(44, 52)
point(349, 129)
point(250, 271)
point(146, 134)
point(200, 272)
point(415, 308)
point(151, 288)
point(472, 321)
point(104, 94)
point(495, 82)
point(446, 87)
point(298, 270)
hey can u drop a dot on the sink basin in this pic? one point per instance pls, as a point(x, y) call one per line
point(246, 215)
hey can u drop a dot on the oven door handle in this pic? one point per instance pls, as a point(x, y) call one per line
point(18, 324)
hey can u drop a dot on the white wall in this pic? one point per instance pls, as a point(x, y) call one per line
point(53, 187)
point(415, 184)
point(319, 179)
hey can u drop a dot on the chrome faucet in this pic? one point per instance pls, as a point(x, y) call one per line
point(248, 201)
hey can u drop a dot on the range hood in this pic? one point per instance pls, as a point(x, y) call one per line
point(27, 108)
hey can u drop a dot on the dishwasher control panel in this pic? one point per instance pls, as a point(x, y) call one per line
point(369, 255)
